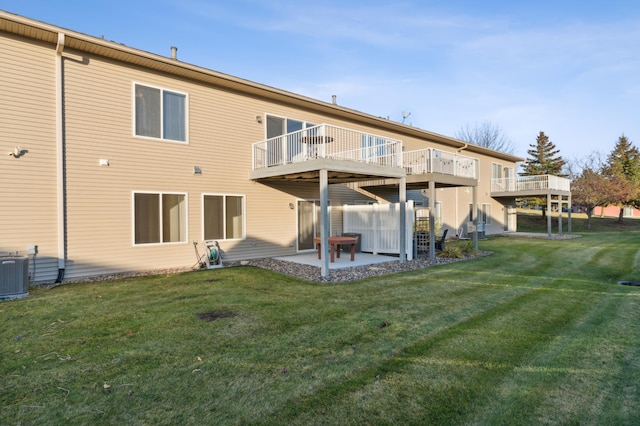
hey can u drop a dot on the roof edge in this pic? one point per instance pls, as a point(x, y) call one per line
point(38, 30)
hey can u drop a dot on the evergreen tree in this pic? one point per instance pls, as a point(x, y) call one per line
point(544, 159)
point(623, 165)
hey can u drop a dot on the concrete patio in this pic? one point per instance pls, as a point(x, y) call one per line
point(361, 259)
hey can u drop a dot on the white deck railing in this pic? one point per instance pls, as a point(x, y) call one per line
point(531, 183)
point(326, 141)
point(432, 160)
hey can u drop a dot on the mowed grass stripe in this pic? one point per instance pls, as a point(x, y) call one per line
point(500, 334)
point(536, 332)
point(529, 315)
point(578, 376)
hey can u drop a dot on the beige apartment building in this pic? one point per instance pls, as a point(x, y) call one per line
point(113, 159)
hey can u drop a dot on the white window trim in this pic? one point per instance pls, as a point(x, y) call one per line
point(500, 166)
point(159, 193)
point(224, 212)
point(162, 89)
point(488, 218)
point(284, 117)
point(318, 225)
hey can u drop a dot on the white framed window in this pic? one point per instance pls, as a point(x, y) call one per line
point(278, 126)
point(159, 113)
point(223, 217)
point(437, 214)
point(159, 217)
point(486, 214)
point(496, 171)
point(286, 148)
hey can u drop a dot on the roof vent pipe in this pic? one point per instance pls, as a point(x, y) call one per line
point(174, 52)
point(333, 98)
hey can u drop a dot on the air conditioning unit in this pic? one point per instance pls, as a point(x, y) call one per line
point(14, 277)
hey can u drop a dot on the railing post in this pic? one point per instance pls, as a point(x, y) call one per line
point(430, 159)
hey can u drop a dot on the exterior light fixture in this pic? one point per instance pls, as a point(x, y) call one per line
point(17, 152)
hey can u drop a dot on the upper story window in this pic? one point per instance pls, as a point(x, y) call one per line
point(278, 126)
point(160, 113)
point(496, 171)
point(286, 148)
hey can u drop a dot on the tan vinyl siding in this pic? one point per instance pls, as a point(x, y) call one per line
point(222, 127)
point(28, 183)
point(99, 125)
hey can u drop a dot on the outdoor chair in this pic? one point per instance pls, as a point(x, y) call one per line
point(440, 242)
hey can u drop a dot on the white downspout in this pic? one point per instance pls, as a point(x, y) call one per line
point(60, 158)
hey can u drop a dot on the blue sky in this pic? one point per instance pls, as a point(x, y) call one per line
point(568, 68)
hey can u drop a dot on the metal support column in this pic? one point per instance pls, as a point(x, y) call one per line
point(432, 219)
point(403, 219)
point(324, 221)
point(560, 203)
point(474, 210)
point(569, 214)
point(549, 214)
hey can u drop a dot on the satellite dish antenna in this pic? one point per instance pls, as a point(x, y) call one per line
point(405, 115)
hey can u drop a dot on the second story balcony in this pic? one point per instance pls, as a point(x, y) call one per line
point(349, 155)
point(528, 186)
point(327, 142)
point(430, 160)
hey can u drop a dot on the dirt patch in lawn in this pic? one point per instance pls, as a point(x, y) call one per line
point(630, 282)
point(214, 315)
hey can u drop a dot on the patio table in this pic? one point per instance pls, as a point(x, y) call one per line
point(335, 243)
point(316, 145)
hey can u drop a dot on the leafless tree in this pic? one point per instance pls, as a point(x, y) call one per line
point(488, 135)
point(593, 161)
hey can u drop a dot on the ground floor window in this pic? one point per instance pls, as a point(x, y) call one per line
point(486, 214)
point(159, 218)
point(223, 217)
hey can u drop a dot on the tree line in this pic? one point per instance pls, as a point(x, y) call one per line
point(614, 181)
point(596, 180)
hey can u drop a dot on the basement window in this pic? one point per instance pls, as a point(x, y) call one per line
point(159, 218)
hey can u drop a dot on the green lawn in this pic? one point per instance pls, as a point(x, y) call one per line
point(538, 332)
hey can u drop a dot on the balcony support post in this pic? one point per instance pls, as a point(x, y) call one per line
point(324, 221)
point(560, 204)
point(549, 214)
point(474, 209)
point(432, 219)
point(403, 219)
point(569, 214)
